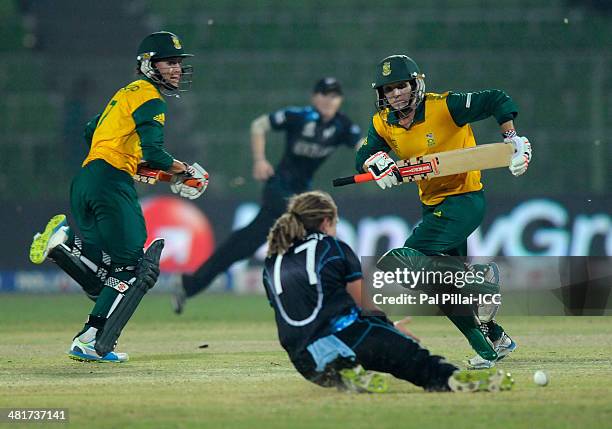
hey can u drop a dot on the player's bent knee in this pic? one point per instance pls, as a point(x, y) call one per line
point(402, 257)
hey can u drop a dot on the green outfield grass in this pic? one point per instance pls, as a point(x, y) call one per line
point(244, 379)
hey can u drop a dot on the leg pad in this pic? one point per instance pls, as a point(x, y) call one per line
point(146, 276)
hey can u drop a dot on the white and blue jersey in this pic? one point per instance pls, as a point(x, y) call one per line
point(309, 141)
point(306, 286)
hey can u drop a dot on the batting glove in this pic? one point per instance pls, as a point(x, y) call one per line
point(195, 171)
point(522, 153)
point(383, 168)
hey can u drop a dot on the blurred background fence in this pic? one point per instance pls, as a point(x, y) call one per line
point(62, 60)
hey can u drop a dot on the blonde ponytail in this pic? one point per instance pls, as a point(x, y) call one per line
point(305, 212)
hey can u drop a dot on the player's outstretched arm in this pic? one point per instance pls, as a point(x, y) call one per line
point(262, 169)
point(354, 290)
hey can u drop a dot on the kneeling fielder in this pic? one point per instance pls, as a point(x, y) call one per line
point(313, 282)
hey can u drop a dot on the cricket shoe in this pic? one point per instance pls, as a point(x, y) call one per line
point(86, 352)
point(503, 347)
point(55, 233)
point(359, 380)
point(484, 380)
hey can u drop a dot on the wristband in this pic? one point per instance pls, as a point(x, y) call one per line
point(508, 134)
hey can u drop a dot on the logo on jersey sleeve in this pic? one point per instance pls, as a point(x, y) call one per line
point(161, 118)
point(280, 117)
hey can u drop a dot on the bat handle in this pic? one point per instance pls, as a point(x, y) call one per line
point(349, 180)
point(194, 183)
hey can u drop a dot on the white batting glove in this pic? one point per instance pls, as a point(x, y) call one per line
point(522, 154)
point(383, 168)
point(194, 171)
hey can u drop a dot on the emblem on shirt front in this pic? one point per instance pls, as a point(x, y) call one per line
point(309, 129)
point(386, 68)
point(430, 139)
point(328, 132)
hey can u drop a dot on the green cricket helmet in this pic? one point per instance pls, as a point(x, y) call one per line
point(160, 46)
point(394, 69)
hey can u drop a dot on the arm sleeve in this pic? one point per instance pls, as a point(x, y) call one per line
point(266, 283)
point(475, 106)
point(90, 128)
point(149, 119)
point(373, 143)
point(353, 134)
point(283, 118)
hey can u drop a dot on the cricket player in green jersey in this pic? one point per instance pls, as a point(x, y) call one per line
point(411, 122)
point(108, 260)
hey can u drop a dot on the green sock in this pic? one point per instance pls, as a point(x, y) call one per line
point(468, 327)
point(108, 295)
point(101, 308)
point(104, 302)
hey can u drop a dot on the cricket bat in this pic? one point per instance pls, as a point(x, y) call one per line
point(481, 157)
point(151, 176)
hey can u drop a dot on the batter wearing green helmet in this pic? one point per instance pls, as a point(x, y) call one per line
point(411, 123)
point(108, 260)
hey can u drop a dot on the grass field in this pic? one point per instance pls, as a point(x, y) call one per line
point(244, 379)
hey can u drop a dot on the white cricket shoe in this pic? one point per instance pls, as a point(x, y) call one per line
point(86, 352)
point(503, 347)
point(55, 233)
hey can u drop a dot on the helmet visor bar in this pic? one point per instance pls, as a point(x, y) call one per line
point(402, 107)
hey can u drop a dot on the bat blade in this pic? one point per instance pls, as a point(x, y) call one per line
point(483, 157)
point(440, 164)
